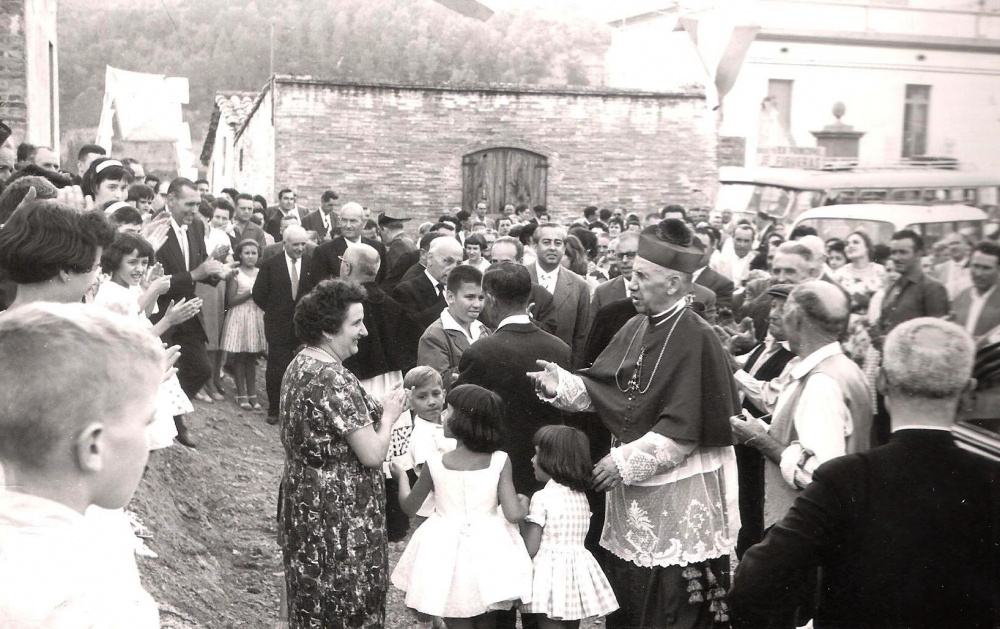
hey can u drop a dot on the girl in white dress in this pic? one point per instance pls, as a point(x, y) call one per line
point(568, 584)
point(132, 290)
point(467, 560)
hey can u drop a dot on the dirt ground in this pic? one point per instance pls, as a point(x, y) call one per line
point(211, 512)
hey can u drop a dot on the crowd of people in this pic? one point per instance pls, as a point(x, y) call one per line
point(553, 421)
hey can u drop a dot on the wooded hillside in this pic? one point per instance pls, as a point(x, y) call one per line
point(225, 45)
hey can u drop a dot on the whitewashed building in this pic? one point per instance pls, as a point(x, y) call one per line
point(917, 78)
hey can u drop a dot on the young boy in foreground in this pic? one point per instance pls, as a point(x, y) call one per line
point(78, 392)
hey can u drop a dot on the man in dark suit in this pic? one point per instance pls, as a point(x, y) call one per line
point(324, 221)
point(394, 238)
point(617, 288)
point(281, 281)
point(905, 534)
point(500, 363)
point(723, 287)
point(410, 264)
point(185, 260)
point(423, 296)
point(328, 254)
point(286, 207)
point(570, 293)
point(540, 308)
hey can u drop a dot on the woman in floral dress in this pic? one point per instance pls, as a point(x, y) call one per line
point(861, 278)
point(332, 501)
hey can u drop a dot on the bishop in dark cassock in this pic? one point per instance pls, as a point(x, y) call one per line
point(664, 389)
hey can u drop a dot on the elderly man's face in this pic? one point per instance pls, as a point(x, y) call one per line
point(789, 268)
point(295, 243)
point(352, 219)
point(444, 254)
point(957, 248)
point(654, 288)
point(504, 252)
point(775, 325)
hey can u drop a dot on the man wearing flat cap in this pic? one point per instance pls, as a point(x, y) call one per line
point(394, 238)
point(664, 389)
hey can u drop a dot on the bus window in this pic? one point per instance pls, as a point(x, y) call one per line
point(905, 196)
point(988, 195)
point(841, 197)
point(933, 232)
point(930, 194)
point(872, 196)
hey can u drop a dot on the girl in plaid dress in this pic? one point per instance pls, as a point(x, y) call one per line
point(568, 584)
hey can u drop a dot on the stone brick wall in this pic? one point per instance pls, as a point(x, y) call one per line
point(13, 68)
point(255, 152)
point(400, 148)
point(29, 70)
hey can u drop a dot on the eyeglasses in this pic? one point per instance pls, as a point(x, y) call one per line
point(626, 255)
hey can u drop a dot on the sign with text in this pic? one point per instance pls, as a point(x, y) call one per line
point(791, 156)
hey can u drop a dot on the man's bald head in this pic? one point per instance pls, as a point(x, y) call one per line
point(294, 240)
point(818, 249)
point(442, 256)
point(823, 308)
point(352, 219)
point(360, 264)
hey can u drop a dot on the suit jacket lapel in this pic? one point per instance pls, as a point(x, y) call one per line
point(989, 318)
point(172, 253)
point(619, 289)
point(564, 288)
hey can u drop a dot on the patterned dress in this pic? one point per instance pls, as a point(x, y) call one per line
point(332, 517)
point(243, 331)
point(568, 584)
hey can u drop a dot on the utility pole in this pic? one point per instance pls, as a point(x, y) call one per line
point(271, 73)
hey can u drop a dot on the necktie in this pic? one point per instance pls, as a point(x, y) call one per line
point(440, 289)
point(295, 278)
point(182, 240)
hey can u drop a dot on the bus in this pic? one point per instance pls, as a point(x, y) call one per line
point(787, 192)
point(881, 221)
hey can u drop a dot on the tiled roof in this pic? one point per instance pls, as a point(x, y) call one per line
point(234, 107)
point(231, 108)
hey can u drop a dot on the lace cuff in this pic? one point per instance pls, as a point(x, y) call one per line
point(571, 395)
point(798, 464)
point(648, 455)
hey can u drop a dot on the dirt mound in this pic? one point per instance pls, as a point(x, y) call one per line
point(211, 512)
point(212, 515)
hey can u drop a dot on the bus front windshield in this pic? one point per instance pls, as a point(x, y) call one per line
point(782, 202)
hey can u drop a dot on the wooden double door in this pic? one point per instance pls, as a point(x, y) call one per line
point(502, 175)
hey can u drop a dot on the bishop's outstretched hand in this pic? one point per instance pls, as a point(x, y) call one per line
point(547, 380)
